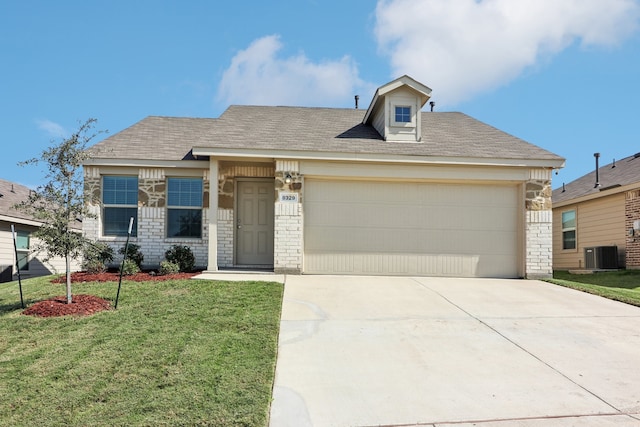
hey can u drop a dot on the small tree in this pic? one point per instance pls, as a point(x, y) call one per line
point(60, 203)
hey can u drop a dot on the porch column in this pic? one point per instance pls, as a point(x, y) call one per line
point(212, 261)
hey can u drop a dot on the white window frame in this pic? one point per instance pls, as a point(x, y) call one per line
point(412, 114)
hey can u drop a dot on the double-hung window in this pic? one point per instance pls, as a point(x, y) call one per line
point(120, 204)
point(22, 247)
point(184, 207)
point(569, 229)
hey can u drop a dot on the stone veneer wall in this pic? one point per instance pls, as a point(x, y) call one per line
point(288, 221)
point(538, 225)
point(632, 213)
point(151, 217)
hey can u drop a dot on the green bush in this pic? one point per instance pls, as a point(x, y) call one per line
point(168, 267)
point(181, 255)
point(93, 266)
point(133, 254)
point(130, 267)
point(95, 257)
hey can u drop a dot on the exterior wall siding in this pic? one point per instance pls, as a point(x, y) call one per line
point(599, 222)
point(37, 264)
point(288, 217)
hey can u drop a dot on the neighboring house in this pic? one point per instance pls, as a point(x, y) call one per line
point(387, 190)
point(596, 218)
point(31, 263)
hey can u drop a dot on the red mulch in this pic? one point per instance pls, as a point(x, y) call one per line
point(85, 305)
point(81, 276)
point(81, 305)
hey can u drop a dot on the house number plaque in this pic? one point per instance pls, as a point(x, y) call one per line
point(288, 197)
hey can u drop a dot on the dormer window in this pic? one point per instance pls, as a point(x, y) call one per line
point(403, 114)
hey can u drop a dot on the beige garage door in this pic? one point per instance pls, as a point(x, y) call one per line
point(398, 228)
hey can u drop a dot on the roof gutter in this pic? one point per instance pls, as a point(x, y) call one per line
point(374, 157)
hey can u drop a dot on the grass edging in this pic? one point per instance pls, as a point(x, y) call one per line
point(617, 286)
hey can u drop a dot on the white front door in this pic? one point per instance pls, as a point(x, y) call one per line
point(254, 222)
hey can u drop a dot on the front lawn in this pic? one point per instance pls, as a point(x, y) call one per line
point(623, 285)
point(178, 352)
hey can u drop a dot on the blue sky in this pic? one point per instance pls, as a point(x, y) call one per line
point(562, 74)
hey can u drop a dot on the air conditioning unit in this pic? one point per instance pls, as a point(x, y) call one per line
point(601, 257)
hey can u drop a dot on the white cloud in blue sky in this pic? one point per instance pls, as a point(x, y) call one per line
point(53, 130)
point(463, 48)
point(259, 75)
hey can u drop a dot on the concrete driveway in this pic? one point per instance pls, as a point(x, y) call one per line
point(370, 351)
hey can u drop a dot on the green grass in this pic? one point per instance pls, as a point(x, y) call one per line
point(174, 353)
point(623, 285)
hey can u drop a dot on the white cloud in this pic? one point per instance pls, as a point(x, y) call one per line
point(258, 76)
point(461, 48)
point(54, 130)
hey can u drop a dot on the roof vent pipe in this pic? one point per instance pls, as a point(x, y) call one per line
point(357, 99)
point(597, 156)
point(614, 164)
point(432, 104)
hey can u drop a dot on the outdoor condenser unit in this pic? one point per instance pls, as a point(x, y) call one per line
point(604, 257)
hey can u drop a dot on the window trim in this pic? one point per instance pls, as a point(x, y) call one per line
point(412, 115)
point(564, 230)
point(199, 208)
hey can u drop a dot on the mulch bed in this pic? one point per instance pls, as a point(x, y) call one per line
point(81, 305)
point(86, 305)
point(110, 276)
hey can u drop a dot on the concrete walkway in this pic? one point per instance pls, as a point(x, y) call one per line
point(370, 351)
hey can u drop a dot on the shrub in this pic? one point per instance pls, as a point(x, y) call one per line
point(168, 267)
point(181, 255)
point(130, 267)
point(133, 254)
point(96, 255)
point(93, 266)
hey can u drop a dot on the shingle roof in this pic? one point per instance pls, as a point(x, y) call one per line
point(331, 130)
point(10, 195)
point(625, 172)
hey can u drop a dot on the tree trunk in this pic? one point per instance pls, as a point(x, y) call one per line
point(68, 265)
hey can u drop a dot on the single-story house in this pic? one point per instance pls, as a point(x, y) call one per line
point(596, 218)
point(30, 261)
point(389, 190)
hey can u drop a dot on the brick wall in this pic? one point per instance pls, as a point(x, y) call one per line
point(151, 219)
point(632, 213)
point(538, 225)
point(288, 220)
point(288, 238)
point(225, 237)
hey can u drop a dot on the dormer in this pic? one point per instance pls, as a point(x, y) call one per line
point(395, 110)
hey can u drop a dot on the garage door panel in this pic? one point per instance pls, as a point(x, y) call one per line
point(369, 227)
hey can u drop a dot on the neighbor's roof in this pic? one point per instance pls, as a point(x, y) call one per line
point(614, 175)
point(319, 130)
point(10, 195)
